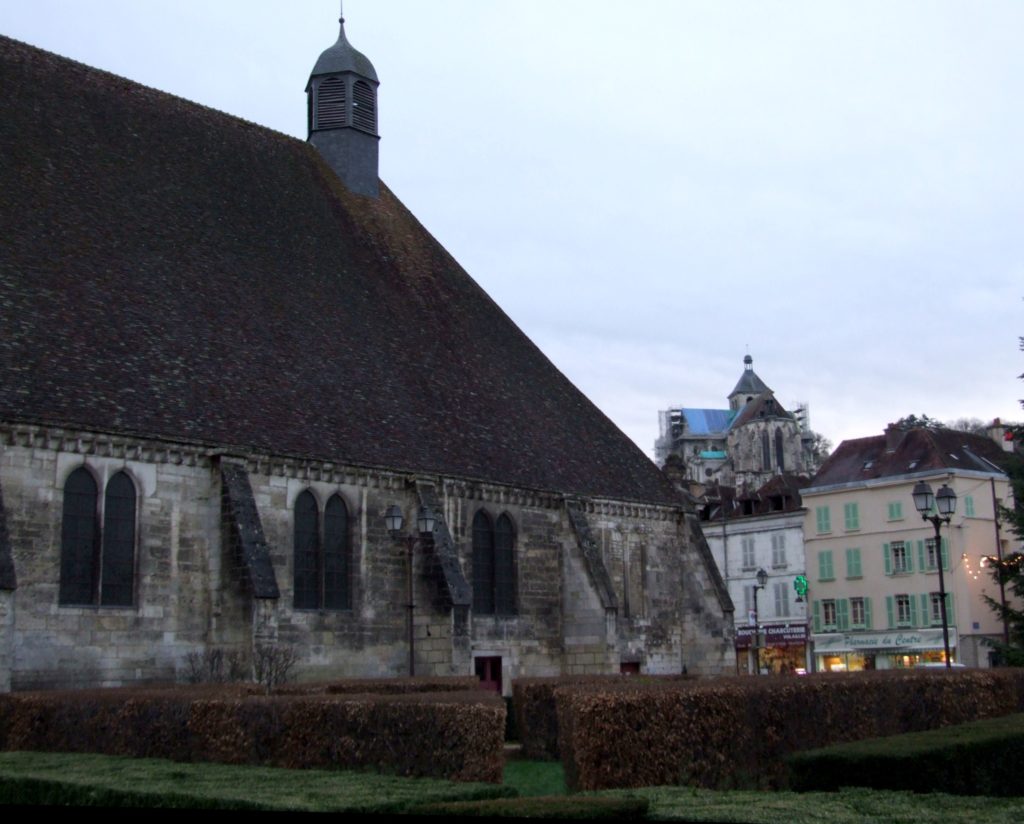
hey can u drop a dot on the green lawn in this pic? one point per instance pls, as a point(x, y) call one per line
point(85, 780)
point(82, 780)
point(535, 778)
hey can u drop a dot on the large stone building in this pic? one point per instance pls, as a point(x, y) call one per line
point(227, 353)
point(745, 446)
point(762, 532)
point(872, 561)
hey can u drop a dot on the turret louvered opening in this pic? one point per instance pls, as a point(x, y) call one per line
point(364, 109)
point(330, 104)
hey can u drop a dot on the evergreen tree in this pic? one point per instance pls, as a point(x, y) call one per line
point(1010, 571)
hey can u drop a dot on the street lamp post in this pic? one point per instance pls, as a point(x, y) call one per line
point(945, 501)
point(394, 520)
point(762, 579)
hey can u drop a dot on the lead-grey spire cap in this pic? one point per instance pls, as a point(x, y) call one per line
point(341, 57)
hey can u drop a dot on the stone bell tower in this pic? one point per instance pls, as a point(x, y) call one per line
point(342, 98)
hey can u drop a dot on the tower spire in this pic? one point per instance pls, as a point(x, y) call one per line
point(342, 100)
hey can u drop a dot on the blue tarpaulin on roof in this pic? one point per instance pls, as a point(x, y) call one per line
point(707, 421)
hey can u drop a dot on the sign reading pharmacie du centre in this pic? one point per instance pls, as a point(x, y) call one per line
point(894, 648)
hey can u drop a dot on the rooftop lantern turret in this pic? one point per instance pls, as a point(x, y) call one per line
point(342, 101)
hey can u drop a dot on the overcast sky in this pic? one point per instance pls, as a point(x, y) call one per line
point(652, 189)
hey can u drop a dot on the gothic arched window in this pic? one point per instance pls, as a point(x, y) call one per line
point(494, 576)
point(780, 454)
point(504, 567)
point(306, 547)
point(337, 556)
point(766, 452)
point(97, 566)
point(323, 559)
point(118, 558)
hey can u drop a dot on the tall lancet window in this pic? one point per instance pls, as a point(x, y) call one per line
point(97, 559)
point(780, 452)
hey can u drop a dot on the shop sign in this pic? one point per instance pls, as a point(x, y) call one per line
point(894, 640)
point(774, 635)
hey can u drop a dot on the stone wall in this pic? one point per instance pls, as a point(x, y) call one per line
point(658, 606)
point(6, 638)
point(179, 594)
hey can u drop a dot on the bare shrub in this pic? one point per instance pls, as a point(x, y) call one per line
point(214, 665)
point(273, 664)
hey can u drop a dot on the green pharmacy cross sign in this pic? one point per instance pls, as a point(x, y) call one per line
point(800, 585)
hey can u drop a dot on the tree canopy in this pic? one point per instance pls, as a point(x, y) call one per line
point(1009, 572)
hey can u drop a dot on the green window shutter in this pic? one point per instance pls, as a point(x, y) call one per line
point(849, 563)
point(890, 608)
point(908, 552)
point(926, 609)
point(843, 613)
point(969, 506)
point(867, 613)
point(888, 562)
point(817, 616)
point(950, 614)
point(851, 516)
point(921, 560)
point(824, 519)
point(913, 611)
point(945, 554)
point(825, 568)
point(856, 562)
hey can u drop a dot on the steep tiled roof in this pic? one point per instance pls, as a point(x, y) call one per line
point(749, 384)
point(170, 271)
point(763, 406)
point(902, 453)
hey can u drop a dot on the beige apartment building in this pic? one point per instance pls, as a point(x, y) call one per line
point(872, 562)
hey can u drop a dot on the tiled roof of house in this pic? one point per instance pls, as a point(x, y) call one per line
point(912, 451)
point(170, 271)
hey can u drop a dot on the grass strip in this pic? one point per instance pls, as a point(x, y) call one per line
point(849, 806)
point(84, 780)
point(535, 778)
point(562, 807)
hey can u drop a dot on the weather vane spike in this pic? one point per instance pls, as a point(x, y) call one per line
point(341, 10)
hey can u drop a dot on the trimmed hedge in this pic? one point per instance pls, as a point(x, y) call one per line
point(536, 709)
point(382, 686)
point(453, 735)
point(979, 758)
point(735, 732)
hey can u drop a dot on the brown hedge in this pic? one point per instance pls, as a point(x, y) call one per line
point(735, 732)
point(453, 735)
point(536, 711)
point(383, 686)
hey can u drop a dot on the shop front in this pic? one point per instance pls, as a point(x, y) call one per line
point(783, 649)
point(895, 649)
